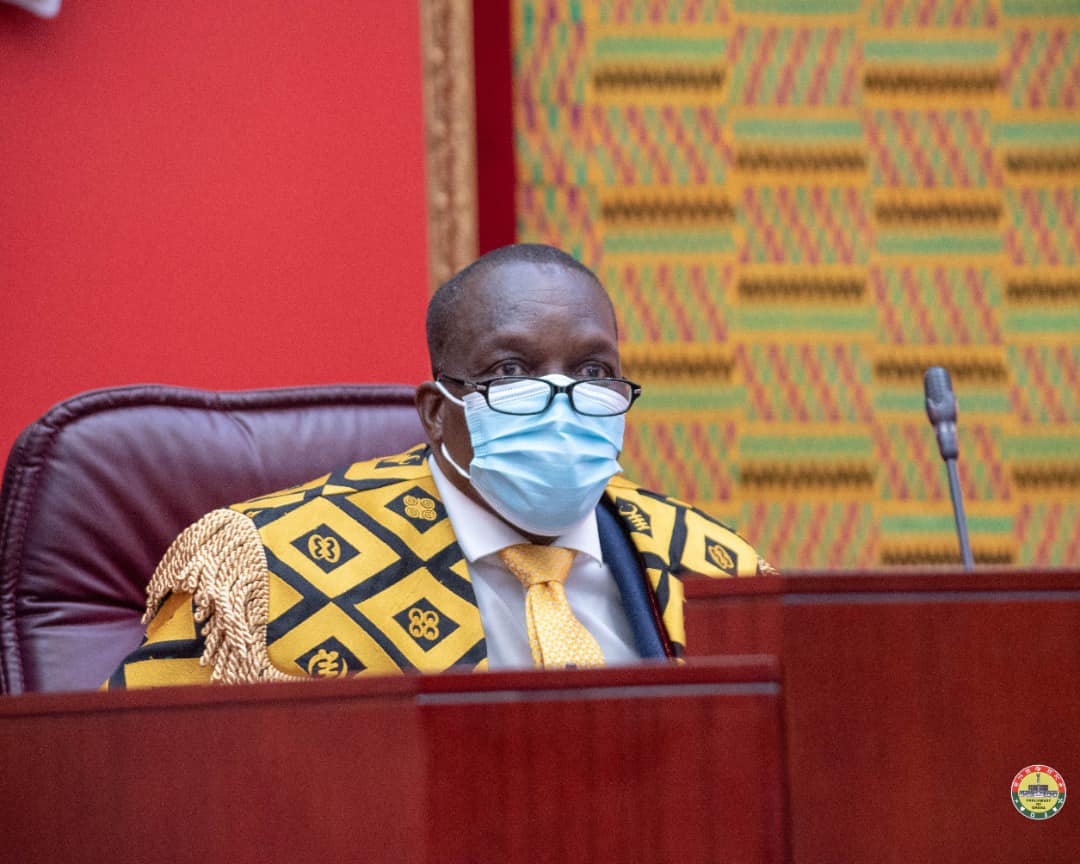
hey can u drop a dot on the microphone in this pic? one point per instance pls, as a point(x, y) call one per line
point(941, 409)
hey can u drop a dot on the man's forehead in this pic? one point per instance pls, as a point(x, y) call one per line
point(513, 290)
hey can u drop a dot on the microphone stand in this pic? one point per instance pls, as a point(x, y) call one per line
point(958, 514)
point(941, 410)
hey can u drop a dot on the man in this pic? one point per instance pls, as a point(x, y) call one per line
point(507, 541)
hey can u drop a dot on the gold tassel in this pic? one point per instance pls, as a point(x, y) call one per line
point(221, 562)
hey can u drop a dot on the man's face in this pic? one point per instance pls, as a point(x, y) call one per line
point(519, 319)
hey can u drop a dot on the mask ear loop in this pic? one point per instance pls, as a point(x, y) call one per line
point(448, 394)
point(457, 467)
point(452, 398)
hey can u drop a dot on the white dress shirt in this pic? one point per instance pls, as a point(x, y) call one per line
point(590, 586)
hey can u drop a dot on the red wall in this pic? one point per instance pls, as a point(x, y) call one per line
point(219, 195)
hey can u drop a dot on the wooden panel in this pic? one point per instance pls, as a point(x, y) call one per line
point(662, 764)
point(733, 616)
point(911, 699)
point(909, 713)
point(602, 765)
point(249, 774)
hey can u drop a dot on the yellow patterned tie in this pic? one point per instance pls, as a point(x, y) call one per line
point(556, 637)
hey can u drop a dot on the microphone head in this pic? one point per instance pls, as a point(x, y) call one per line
point(940, 399)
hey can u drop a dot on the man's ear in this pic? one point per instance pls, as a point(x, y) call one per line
point(429, 404)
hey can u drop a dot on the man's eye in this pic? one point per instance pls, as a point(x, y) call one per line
point(594, 370)
point(510, 367)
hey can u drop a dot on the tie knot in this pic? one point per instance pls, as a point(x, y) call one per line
point(534, 565)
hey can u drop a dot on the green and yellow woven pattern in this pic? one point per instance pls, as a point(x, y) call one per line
point(799, 206)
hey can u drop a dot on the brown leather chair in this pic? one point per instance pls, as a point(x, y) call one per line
point(96, 490)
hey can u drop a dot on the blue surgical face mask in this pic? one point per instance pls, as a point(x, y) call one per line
point(541, 472)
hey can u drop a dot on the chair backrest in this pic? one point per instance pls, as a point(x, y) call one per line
point(96, 490)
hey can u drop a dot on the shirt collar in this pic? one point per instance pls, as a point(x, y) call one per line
point(481, 533)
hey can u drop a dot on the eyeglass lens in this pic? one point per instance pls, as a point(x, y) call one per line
point(600, 398)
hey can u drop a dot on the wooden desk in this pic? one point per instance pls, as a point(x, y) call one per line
point(644, 764)
point(911, 700)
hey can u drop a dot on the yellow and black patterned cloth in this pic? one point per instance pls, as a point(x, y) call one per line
point(359, 572)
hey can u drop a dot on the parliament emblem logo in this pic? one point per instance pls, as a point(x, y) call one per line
point(323, 545)
point(721, 556)
point(1038, 792)
point(637, 519)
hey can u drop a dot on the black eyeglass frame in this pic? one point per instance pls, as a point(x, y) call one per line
point(482, 387)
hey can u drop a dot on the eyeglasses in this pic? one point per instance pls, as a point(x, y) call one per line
point(593, 397)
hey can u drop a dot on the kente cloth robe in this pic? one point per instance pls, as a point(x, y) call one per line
point(359, 572)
